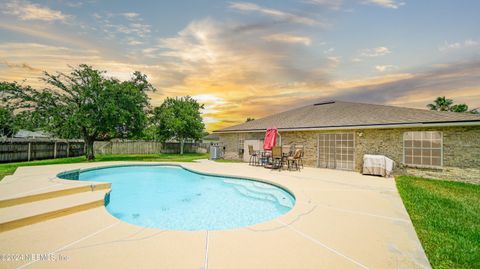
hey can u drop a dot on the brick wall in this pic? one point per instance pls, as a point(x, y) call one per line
point(230, 142)
point(461, 149)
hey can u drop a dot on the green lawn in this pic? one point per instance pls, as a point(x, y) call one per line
point(9, 168)
point(446, 216)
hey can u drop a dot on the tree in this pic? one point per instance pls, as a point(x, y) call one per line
point(179, 118)
point(250, 119)
point(85, 103)
point(7, 122)
point(459, 108)
point(441, 104)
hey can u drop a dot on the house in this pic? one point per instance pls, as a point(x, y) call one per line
point(211, 138)
point(32, 134)
point(337, 134)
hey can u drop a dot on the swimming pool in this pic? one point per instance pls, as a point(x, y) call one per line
point(171, 197)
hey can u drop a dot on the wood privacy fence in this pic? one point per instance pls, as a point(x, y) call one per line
point(145, 147)
point(188, 147)
point(20, 149)
point(127, 147)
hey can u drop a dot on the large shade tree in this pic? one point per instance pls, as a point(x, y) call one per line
point(7, 122)
point(85, 104)
point(180, 119)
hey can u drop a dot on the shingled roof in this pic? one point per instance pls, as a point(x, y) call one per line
point(339, 114)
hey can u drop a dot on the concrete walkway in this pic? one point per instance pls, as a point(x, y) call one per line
point(340, 220)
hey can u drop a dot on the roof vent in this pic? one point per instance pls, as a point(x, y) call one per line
point(324, 103)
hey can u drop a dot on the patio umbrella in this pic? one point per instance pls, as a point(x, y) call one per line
point(270, 138)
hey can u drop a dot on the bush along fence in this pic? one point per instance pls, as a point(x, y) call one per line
point(20, 149)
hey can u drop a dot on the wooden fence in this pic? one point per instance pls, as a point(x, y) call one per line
point(127, 147)
point(174, 147)
point(20, 149)
point(145, 147)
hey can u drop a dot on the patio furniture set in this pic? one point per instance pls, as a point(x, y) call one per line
point(278, 157)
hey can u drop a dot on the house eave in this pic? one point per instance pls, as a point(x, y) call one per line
point(369, 126)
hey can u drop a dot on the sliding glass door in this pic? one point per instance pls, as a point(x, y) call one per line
point(336, 151)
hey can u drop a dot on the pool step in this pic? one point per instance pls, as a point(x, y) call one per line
point(20, 215)
point(261, 190)
point(53, 194)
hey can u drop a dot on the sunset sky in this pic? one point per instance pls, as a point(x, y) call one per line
point(252, 59)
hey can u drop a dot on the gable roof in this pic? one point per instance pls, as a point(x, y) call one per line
point(343, 115)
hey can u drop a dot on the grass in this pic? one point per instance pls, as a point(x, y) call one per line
point(446, 216)
point(9, 168)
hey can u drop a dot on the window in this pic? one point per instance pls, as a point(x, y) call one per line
point(423, 148)
point(336, 150)
point(241, 141)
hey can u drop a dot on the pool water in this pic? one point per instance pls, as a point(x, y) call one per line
point(174, 198)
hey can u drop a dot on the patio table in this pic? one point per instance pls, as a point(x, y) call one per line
point(264, 157)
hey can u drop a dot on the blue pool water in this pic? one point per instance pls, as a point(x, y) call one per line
point(173, 198)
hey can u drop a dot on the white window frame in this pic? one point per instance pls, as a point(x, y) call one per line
point(423, 165)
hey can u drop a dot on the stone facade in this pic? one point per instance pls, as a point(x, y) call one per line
point(461, 149)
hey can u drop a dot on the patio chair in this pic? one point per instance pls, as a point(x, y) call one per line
point(287, 151)
point(295, 160)
point(253, 156)
point(276, 160)
point(302, 148)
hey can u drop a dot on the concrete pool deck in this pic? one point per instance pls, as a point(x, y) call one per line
point(340, 220)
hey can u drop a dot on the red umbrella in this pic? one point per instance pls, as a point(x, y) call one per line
point(270, 139)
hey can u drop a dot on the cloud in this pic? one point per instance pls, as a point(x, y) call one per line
point(129, 27)
point(26, 11)
point(275, 13)
point(458, 80)
point(287, 38)
point(468, 43)
point(20, 66)
point(75, 4)
point(385, 3)
point(329, 50)
point(331, 4)
point(369, 53)
point(45, 34)
point(369, 81)
point(17, 56)
point(221, 49)
point(375, 52)
point(131, 15)
point(232, 70)
point(384, 68)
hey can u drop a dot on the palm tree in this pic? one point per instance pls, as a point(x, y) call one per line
point(441, 104)
point(459, 108)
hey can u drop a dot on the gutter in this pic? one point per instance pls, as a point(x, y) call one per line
point(368, 126)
